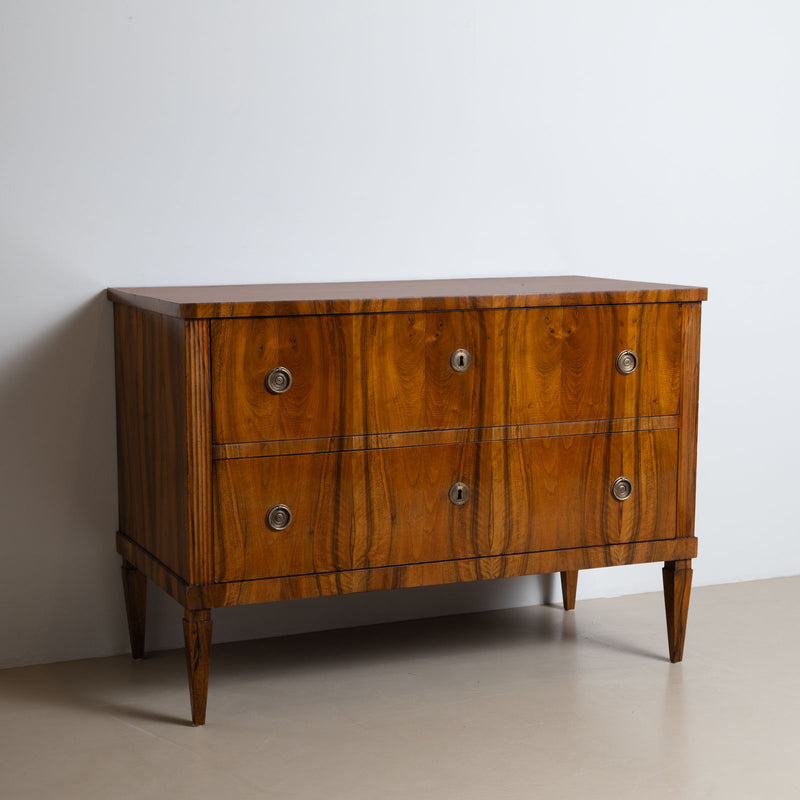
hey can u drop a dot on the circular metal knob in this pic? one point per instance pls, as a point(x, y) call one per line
point(627, 362)
point(460, 360)
point(278, 380)
point(459, 493)
point(279, 517)
point(622, 488)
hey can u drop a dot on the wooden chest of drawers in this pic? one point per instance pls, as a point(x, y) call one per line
point(291, 441)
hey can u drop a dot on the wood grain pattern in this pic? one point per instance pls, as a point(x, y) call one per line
point(690, 384)
point(318, 351)
point(198, 451)
point(385, 507)
point(382, 296)
point(134, 586)
point(439, 572)
point(569, 588)
point(319, 492)
point(294, 447)
point(150, 566)
point(233, 593)
point(556, 493)
point(677, 589)
point(384, 373)
point(349, 510)
point(152, 440)
point(559, 363)
point(197, 647)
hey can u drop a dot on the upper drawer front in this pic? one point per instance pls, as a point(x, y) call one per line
point(383, 373)
point(386, 507)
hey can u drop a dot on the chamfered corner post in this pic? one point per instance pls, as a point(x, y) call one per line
point(677, 588)
point(569, 587)
point(197, 640)
point(134, 586)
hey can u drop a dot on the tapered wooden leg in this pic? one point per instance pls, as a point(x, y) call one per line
point(569, 586)
point(197, 638)
point(677, 588)
point(134, 585)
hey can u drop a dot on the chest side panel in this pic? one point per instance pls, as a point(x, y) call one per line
point(153, 462)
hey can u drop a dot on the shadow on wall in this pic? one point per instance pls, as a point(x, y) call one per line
point(58, 491)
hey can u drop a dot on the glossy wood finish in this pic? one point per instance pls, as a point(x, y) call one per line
point(690, 384)
point(234, 593)
point(383, 373)
point(350, 510)
point(197, 645)
point(164, 439)
point(376, 428)
point(133, 553)
point(330, 444)
point(152, 453)
point(198, 463)
point(437, 572)
point(134, 586)
point(569, 588)
point(677, 589)
point(391, 506)
point(555, 493)
point(372, 297)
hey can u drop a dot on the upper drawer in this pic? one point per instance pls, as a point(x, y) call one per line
point(383, 373)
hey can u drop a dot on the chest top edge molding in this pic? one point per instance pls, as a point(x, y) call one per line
point(289, 299)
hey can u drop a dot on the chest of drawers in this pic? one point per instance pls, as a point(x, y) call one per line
point(289, 441)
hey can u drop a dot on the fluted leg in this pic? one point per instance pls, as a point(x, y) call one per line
point(197, 638)
point(677, 588)
point(134, 585)
point(569, 586)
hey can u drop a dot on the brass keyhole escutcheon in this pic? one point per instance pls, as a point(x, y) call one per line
point(459, 493)
point(278, 380)
point(622, 488)
point(460, 360)
point(627, 361)
point(279, 517)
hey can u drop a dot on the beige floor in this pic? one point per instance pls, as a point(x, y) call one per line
point(527, 703)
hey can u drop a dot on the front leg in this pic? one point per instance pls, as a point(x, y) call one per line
point(134, 585)
point(197, 639)
point(677, 588)
point(569, 587)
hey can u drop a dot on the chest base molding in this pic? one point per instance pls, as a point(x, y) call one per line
point(406, 576)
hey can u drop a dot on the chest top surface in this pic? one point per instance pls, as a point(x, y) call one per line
point(288, 299)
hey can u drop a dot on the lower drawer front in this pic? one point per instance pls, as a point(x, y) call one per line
point(386, 507)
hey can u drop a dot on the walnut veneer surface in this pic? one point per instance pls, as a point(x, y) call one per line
point(516, 392)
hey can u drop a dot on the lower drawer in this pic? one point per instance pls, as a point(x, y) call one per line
point(386, 507)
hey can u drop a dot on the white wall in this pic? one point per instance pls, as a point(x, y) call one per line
point(201, 142)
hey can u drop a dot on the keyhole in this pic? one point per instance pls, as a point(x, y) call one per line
point(459, 494)
point(460, 360)
point(460, 364)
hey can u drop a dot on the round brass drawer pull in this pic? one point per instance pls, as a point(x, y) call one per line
point(278, 380)
point(459, 493)
point(627, 361)
point(279, 517)
point(460, 360)
point(622, 488)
